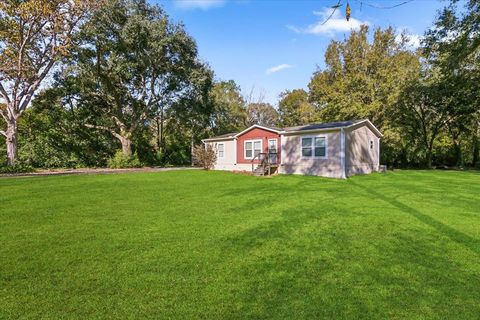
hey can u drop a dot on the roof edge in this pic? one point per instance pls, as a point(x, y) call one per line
point(311, 130)
point(218, 139)
point(369, 123)
point(257, 126)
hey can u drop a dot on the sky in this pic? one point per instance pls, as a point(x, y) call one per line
point(268, 46)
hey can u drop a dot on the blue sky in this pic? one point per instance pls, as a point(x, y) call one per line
point(268, 46)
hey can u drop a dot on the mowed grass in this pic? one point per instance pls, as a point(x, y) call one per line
point(195, 244)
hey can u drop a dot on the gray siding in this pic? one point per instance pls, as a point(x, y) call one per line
point(294, 163)
point(359, 157)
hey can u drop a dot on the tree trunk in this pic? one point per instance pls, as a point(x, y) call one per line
point(458, 154)
point(161, 131)
point(192, 147)
point(11, 141)
point(126, 146)
point(429, 156)
point(476, 146)
point(157, 120)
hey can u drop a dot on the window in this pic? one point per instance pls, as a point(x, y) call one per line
point(371, 144)
point(248, 150)
point(307, 147)
point(272, 145)
point(252, 148)
point(272, 151)
point(315, 147)
point(220, 150)
point(320, 149)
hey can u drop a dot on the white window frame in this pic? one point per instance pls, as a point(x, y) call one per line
point(218, 151)
point(276, 145)
point(313, 147)
point(253, 148)
point(371, 144)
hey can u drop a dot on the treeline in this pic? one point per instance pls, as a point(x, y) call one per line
point(127, 88)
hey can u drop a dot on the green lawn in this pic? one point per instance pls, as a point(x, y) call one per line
point(195, 244)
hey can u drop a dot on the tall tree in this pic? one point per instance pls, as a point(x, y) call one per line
point(295, 109)
point(34, 36)
point(262, 113)
point(132, 64)
point(423, 111)
point(230, 113)
point(364, 79)
point(452, 48)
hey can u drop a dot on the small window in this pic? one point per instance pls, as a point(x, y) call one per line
point(307, 147)
point(220, 150)
point(252, 148)
point(272, 145)
point(257, 148)
point(320, 149)
point(314, 147)
point(371, 144)
point(248, 149)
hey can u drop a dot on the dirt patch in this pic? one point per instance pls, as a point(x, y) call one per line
point(53, 172)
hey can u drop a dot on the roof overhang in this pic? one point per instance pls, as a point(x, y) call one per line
point(295, 132)
point(218, 139)
point(286, 133)
point(369, 124)
point(352, 126)
point(256, 126)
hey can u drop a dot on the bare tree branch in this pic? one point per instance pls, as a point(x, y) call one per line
point(4, 94)
point(116, 135)
point(3, 133)
point(4, 116)
point(35, 86)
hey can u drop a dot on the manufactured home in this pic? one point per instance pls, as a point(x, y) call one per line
point(336, 149)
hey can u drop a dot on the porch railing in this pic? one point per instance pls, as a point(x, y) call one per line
point(266, 160)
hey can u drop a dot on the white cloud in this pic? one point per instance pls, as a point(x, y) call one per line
point(329, 25)
point(413, 40)
point(278, 68)
point(199, 4)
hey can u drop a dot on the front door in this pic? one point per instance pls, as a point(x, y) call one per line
point(273, 150)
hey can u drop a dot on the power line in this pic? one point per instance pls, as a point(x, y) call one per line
point(385, 7)
point(340, 4)
point(335, 7)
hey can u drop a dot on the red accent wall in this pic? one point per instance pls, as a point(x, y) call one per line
point(256, 134)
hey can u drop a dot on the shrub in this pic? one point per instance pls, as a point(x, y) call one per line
point(120, 160)
point(18, 168)
point(204, 156)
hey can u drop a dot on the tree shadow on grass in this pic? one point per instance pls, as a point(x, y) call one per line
point(455, 235)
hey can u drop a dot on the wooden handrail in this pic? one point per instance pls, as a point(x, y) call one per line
point(265, 160)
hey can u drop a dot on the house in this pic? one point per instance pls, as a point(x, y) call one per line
point(337, 149)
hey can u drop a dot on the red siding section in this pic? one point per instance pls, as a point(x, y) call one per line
point(256, 134)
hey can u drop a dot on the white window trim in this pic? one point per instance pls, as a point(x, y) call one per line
point(253, 148)
point(371, 144)
point(313, 147)
point(276, 145)
point(218, 151)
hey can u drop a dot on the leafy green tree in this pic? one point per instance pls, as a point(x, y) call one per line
point(189, 118)
point(452, 49)
point(262, 113)
point(230, 114)
point(52, 135)
point(364, 79)
point(34, 36)
point(295, 109)
point(423, 112)
point(132, 63)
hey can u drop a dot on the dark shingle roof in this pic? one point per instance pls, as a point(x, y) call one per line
point(315, 126)
point(312, 126)
point(223, 136)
